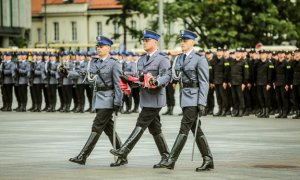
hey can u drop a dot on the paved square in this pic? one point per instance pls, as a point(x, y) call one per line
point(38, 146)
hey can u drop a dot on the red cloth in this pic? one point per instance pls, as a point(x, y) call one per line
point(125, 87)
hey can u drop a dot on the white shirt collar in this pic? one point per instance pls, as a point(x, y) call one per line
point(188, 53)
point(152, 53)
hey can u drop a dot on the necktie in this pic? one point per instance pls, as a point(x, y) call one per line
point(148, 57)
point(101, 60)
point(184, 56)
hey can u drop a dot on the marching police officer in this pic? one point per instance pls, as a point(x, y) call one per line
point(107, 99)
point(192, 70)
point(152, 98)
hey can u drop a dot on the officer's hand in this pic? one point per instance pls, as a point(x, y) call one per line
point(201, 110)
point(116, 109)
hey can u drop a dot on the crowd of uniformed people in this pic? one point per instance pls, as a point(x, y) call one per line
point(243, 82)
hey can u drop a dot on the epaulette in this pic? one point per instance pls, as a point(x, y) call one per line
point(113, 58)
point(198, 54)
point(144, 54)
point(162, 53)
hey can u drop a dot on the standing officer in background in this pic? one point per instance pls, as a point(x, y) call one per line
point(238, 79)
point(52, 78)
point(220, 68)
point(210, 97)
point(191, 69)
point(8, 73)
point(37, 74)
point(88, 86)
point(78, 75)
point(16, 80)
point(135, 90)
point(45, 85)
point(152, 64)
point(263, 81)
point(107, 99)
point(296, 82)
point(170, 93)
point(23, 70)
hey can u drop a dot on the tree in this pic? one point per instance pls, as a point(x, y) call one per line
point(129, 9)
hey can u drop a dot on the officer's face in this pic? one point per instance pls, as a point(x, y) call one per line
point(82, 58)
point(219, 54)
point(103, 50)
point(149, 44)
point(24, 57)
point(297, 56)
point(186, 44)
point(19, 57)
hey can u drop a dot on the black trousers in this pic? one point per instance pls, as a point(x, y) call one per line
point(237, 97)
point(210, 99)
point(254, 98)
point(23, 93)
point(136, 95)
point(103, 121)
point(296, 89)
point(189, 121)
point(149, 118)
point(127, 99)
point(67, 93)
point(247, 98)
point(282, 97)
point(37, 92)
point(46, 96)
point(170, 95)
point(89, 93)
point(221, 96)
point(80, 94)
point(52, 93)
point(263, 96)
point(32, 96)
point(17, 94)
point(61, 95)
point(74, 95)
point(7, 93)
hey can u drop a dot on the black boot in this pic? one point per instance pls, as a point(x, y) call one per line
point(129, 144)
point(171, 110)
point(297, 116)
point(208, 162)
point(17, 108)
point(88, 110)
point(284, 114)
point(77, 110)
point(120, 161)
point(224, 112)
point(234, 113)
point(32, 107)
point(37, 108)
point(280, 114)
point(8, 108)
point(4, 106)
point(247, 112)
point(87, 149)
point(262, 114)
point(267, 113)
point(167, 112)
point(67, 108)
point(176, 150)
point(241, 112)
point(162, 148)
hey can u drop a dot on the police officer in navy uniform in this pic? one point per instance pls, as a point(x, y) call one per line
point(238, 79)
point(152, 98)
point(193, 74)
point(296, 82)
point(8, 71)
point(107, 99)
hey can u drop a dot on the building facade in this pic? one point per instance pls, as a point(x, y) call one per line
point(74, 24)
point(15, 20)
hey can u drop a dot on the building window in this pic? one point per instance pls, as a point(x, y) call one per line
point(74, 31)
point(39, 33)
point(133, 26)
point(99, 28)
point(116, 28)
point(56, 31)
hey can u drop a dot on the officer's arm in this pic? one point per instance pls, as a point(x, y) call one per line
point(203, 79)
point(117, 72)
point(165, 72)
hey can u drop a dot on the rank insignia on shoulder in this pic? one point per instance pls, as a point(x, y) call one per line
point(162, 53)
point(198, 54)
